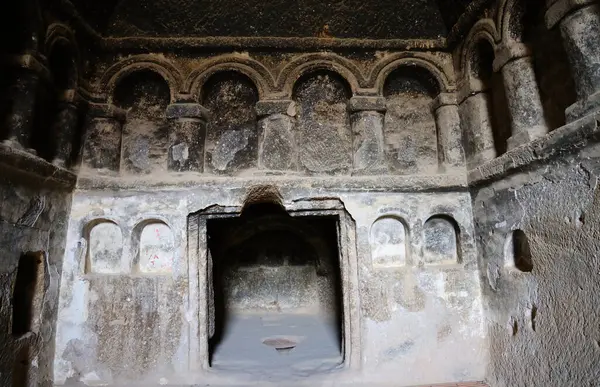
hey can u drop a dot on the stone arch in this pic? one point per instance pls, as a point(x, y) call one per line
point(324, 134)
point(55, 116)
point(389, 239)
point(62, 58)
point(410, 130)
point(523, 22)
point(232, 130)
point(384, 68)
point(60, 35)
point(510, 15)
point(482, 97)
point(310, 63)
point(252, 69)
point(145, 95)
point(482, 30)
point(105, 242)
point(153, 244)
point(120, 70)
point(441, 240)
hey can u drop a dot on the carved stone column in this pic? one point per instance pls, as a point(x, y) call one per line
point(64, 128)
point(579, 22)
point(23, 96)
point(522, 94)
point(277, 149)
point(103, 133)
point(367, 116)
point(187, 133)
point(451, 154)
point(476, 119)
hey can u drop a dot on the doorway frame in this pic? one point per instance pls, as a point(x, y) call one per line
point(200, 272)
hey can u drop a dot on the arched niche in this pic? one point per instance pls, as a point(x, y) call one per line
point(105, 248)
point(145, 95)
point(232, 131)
point(63, 65)
point(517, 253)
point(156, 247)
point(487, 108)
point(61, 116)
point(63, 71)
point(389, 242)
point(440, 241)
point(324, 135)
point(410, 128)
point(550, 61)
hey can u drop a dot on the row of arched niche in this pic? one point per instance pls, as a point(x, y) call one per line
point(390, 240)
point(151, 243)
point(320, 116)
point(519, 25)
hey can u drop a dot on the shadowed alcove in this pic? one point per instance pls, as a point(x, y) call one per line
point(276, 292)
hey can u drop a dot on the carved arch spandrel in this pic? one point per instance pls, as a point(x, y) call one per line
point(508, 18)
point(164, 67)
point(261, 76)
point(484, 29)
point(442, 73)
point(308, 63)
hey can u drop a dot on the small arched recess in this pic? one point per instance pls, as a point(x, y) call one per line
point(389, 240)
point(517, 253)
point(154, 247)
point(105, 247)
point(441, 241)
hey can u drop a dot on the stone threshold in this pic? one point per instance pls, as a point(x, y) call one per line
point(166, 181)
point(20, 166)
point(563, 141)
point(457, 384)
point(272, 384)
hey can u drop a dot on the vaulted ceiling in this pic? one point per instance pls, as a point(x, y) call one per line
point(346, 19)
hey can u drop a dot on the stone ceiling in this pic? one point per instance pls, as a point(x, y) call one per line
point(345, 19)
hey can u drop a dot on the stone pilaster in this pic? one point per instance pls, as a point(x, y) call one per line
point(367, 117)
point(476, 119)
point(525, 106)
point(29, 70)
point(277, 149)
point(451, 155)
point(103, 134)
point(64, 128)
point(187, 134)
point(579, 23)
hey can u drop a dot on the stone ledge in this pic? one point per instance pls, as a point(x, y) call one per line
point(186, 110)
point(562, 141)
point(457, 384)
point(19, 166)
point(406, 183)
point(277, 106)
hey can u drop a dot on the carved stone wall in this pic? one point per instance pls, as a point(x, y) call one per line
point(441, 146)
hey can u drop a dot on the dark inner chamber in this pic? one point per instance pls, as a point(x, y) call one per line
point(275, 299)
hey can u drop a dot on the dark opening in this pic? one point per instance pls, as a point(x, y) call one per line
point(276, 290)
point(521, 251)
point(24, 294)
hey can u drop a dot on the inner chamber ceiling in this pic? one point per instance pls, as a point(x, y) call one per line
point(299, 194)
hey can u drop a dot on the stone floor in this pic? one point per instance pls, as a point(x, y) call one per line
point(278, 344)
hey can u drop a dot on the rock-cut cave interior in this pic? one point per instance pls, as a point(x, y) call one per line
point(300, 193)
